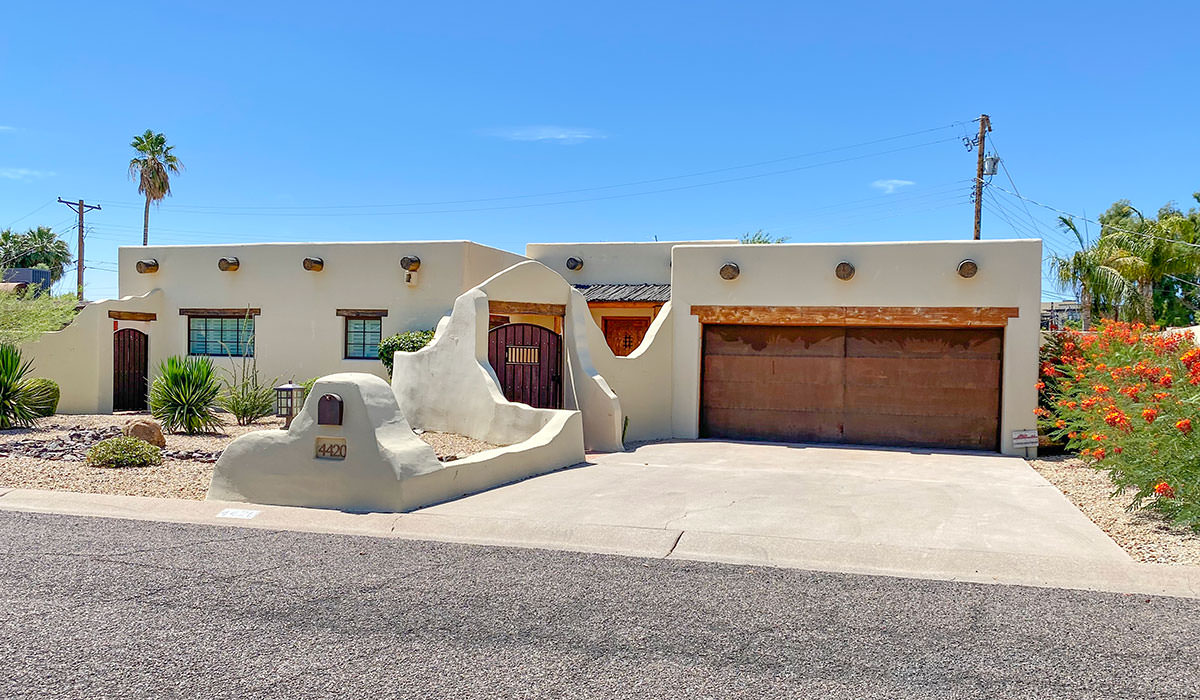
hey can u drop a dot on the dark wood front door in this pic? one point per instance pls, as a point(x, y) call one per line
point(528, 363)
point(624, 334)
point(882, 386)
point(129, 370)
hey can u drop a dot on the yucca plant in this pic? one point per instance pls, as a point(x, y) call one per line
point(22, 400)
point(245, 396)
point(183, 397)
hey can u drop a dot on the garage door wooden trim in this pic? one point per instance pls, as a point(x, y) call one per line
point(861, 316)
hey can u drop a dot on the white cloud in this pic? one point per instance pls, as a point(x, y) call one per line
point(890, 186)
point(24, 174)
point(7, 128)
point(554, 134)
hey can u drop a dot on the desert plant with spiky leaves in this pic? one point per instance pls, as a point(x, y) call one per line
point(22, 400)
point(183, 397)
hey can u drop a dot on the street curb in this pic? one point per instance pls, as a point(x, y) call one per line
point(782, 552)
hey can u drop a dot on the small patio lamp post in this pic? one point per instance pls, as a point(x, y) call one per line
point(288, 400)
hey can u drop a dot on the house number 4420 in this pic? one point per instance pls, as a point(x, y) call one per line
point(331, 448)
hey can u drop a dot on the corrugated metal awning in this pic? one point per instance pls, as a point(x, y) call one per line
point(650, 293)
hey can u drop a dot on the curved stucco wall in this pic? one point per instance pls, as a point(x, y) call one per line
point(79, 357)
point(920, 274)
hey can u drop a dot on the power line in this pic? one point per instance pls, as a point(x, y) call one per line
point(233, 209)
point(30, 214)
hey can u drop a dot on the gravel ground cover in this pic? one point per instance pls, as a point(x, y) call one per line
point(51, 457)
point(1147, 536)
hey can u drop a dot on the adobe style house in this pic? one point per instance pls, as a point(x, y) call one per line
point(925, 344)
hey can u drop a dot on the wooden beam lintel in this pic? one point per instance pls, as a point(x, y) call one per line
point(880, 316)
point(225, 313)
point(528, 308)
point(133, 315)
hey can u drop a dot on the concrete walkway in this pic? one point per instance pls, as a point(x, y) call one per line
point(952, 516)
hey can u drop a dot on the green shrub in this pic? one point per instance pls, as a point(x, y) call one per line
point(23, 401)
point(123, 451)
point(183, 397)
point(247, 398)
point(1127, 398)
point(410, 341)
point(51, 386)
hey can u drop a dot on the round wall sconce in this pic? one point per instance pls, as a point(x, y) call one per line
point(410, 263)
point(145, 267)
point(967, 268)
point(730, 271)
point(313, 264)
point(844, 270)
point(228, 264)
point(574, 264)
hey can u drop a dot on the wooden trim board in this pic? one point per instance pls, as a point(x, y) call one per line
point(880, 316)
point(362, 313)
point(225, 313)
point(528, 308)
point(133, 315)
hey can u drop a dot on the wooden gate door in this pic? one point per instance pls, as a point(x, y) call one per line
point(528, 362)
point(129, 370)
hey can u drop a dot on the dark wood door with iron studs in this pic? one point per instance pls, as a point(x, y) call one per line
point(528, 363)
point(129, 370)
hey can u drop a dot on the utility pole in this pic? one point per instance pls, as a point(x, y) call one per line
point(79, 208)
point(985, 125)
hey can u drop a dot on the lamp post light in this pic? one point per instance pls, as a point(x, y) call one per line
point(288, 400)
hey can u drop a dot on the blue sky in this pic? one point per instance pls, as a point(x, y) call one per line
point(512, 122)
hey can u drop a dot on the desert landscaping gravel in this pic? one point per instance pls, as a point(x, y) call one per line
point(1146, 536)
point(187, 466)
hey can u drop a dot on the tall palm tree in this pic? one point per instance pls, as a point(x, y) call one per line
point(1096, 272)
point(152, 166)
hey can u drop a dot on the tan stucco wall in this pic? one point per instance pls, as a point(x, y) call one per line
point(887, 274)
point(626, 263)
point(79, 357)
point(298, 333)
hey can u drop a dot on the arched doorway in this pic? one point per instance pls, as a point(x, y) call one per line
point(129, 369)
point(528, 362)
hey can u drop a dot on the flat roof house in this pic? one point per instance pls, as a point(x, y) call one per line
point(924, 344)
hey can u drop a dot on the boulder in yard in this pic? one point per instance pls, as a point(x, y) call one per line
point(146, 430)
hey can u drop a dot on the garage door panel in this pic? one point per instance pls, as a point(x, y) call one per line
point(778, 426)
point(922, 401)
point(787, 341)
point(964, 433)
point(924, 342)
point(791, 370)
point(774, 396)
point(889, 371)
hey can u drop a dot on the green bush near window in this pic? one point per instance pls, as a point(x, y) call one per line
point(183, 397)
point(23, 400)
point(51, 387)
point(123, 451)
point(410, 341)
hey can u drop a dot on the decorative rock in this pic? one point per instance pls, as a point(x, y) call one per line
point(146, 430)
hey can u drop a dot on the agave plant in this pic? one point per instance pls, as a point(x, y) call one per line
point(22, 400)
point(183, 397)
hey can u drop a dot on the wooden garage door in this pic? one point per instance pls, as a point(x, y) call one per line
point(884, 386)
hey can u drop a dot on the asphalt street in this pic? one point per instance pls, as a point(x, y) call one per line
point(103, 608)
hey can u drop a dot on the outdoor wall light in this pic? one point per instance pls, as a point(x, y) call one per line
point(410, 263)
point(574, 264)
point(967, 268)
point(145, 267)
point(844, 270)
point(313, 264)
point(228, 264)
point(288, 400)
point(730, 271)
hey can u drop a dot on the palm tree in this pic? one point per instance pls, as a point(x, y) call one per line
point(1159, 249)
point(153, 167)
point(1096, 272)
point(36, 247)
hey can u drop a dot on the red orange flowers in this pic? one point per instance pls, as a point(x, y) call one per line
point(1164, 489)
point(1184, 425)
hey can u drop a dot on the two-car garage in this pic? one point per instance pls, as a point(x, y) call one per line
point(929, 387)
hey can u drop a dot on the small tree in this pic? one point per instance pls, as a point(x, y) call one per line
point(761, 237)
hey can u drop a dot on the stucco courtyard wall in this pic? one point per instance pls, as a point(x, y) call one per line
point(886, 274)
point(80, 357)
point(642, 379)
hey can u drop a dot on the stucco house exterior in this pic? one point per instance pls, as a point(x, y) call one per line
point(922, 344)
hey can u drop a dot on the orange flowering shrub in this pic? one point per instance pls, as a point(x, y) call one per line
point(1094, 388)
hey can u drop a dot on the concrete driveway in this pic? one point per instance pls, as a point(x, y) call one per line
point(941, 514)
